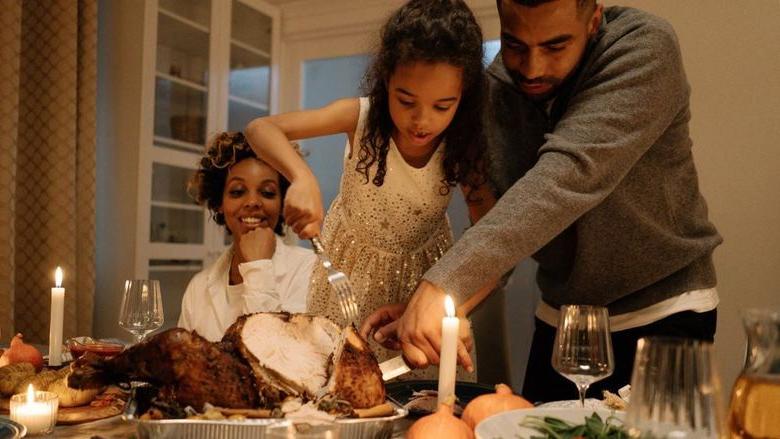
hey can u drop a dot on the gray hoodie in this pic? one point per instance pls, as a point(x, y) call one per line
point(603, 191)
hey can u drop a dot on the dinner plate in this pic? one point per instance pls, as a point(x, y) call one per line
point(507, 424)
point(401, 391)
point(10, 429)
point(590, 403)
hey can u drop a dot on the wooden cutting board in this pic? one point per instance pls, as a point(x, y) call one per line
point(78, 415)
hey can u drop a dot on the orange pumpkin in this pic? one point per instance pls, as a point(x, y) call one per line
point(21, 352)
point(484, 406)
point(441, 424)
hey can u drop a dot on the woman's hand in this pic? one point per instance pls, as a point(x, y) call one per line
point(259, 243)
point(303, 210)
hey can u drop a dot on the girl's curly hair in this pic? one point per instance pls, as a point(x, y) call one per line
point(208, 184)
point(429, 31)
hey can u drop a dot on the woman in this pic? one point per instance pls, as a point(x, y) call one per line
point(259, 272)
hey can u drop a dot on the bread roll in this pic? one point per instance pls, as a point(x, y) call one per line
point(12, 374)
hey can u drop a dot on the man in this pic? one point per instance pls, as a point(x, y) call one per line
point(589, 149)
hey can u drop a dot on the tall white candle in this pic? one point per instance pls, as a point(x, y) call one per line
point(450, 326)
point(55, 323)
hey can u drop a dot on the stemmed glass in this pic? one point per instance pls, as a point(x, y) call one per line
point(583, 346)
point(141, 311)
point(675, 390)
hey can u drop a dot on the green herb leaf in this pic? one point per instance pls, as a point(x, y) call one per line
point(593, 427)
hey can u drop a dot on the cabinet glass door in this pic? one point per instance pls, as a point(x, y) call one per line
point(175, 218)
point(250, 65)
point(181, 76)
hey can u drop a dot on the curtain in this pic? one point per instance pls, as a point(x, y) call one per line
point(48, 83)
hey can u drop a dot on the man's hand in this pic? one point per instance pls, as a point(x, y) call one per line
point(303, 210)
point(419, 329)
point(256, 244)
point(382, 325)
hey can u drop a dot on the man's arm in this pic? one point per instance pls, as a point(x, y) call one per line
point(637, 89)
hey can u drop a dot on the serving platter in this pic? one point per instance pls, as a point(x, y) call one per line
point(378, 428)
point(80, 414)
point(140, 397)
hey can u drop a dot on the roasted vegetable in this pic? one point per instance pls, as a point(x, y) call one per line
point(12, 374)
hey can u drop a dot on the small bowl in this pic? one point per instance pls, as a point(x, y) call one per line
point(78, 346)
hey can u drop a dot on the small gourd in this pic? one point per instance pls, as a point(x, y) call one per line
point(442, 424)
point(484, 406)
point(21, 352)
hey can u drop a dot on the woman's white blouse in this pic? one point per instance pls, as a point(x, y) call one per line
point(281, 283)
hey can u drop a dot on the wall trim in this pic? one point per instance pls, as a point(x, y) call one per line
point(313, 19)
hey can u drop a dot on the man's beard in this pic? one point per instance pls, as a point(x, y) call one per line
point(520, 80)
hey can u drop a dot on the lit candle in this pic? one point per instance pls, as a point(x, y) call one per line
point(35, 410)
point(450, 325)
point(55, 323)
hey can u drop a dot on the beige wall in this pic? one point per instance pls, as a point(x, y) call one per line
point(731, 52)
point(119, 114)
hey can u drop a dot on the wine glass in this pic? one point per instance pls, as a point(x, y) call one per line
point(583, 346)
point(141, 311)
point(675, 390)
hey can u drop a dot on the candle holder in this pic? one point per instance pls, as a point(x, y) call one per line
point(38, 415)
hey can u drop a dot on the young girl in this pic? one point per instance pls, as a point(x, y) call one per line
point(259, 272)
point(415, 137)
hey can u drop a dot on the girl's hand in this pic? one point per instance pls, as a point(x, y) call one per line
point(383, 323)
point(259, 243)
point(303, 210)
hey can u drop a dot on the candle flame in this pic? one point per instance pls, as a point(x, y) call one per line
point(449, 306)
point(30, 394)
point(58, 277)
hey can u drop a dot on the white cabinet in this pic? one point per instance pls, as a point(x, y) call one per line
point(175, 72)
point(212, 72)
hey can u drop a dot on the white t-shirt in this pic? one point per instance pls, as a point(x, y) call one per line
point(697, 300)
point(281, 283)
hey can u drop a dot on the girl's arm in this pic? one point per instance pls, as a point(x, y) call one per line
point(270, 138)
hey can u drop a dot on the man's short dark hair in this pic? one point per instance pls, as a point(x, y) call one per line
point(582, 5)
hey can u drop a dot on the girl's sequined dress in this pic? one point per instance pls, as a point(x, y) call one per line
point(384, 238)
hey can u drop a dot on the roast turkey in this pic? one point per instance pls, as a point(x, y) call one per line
point(263, 359)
